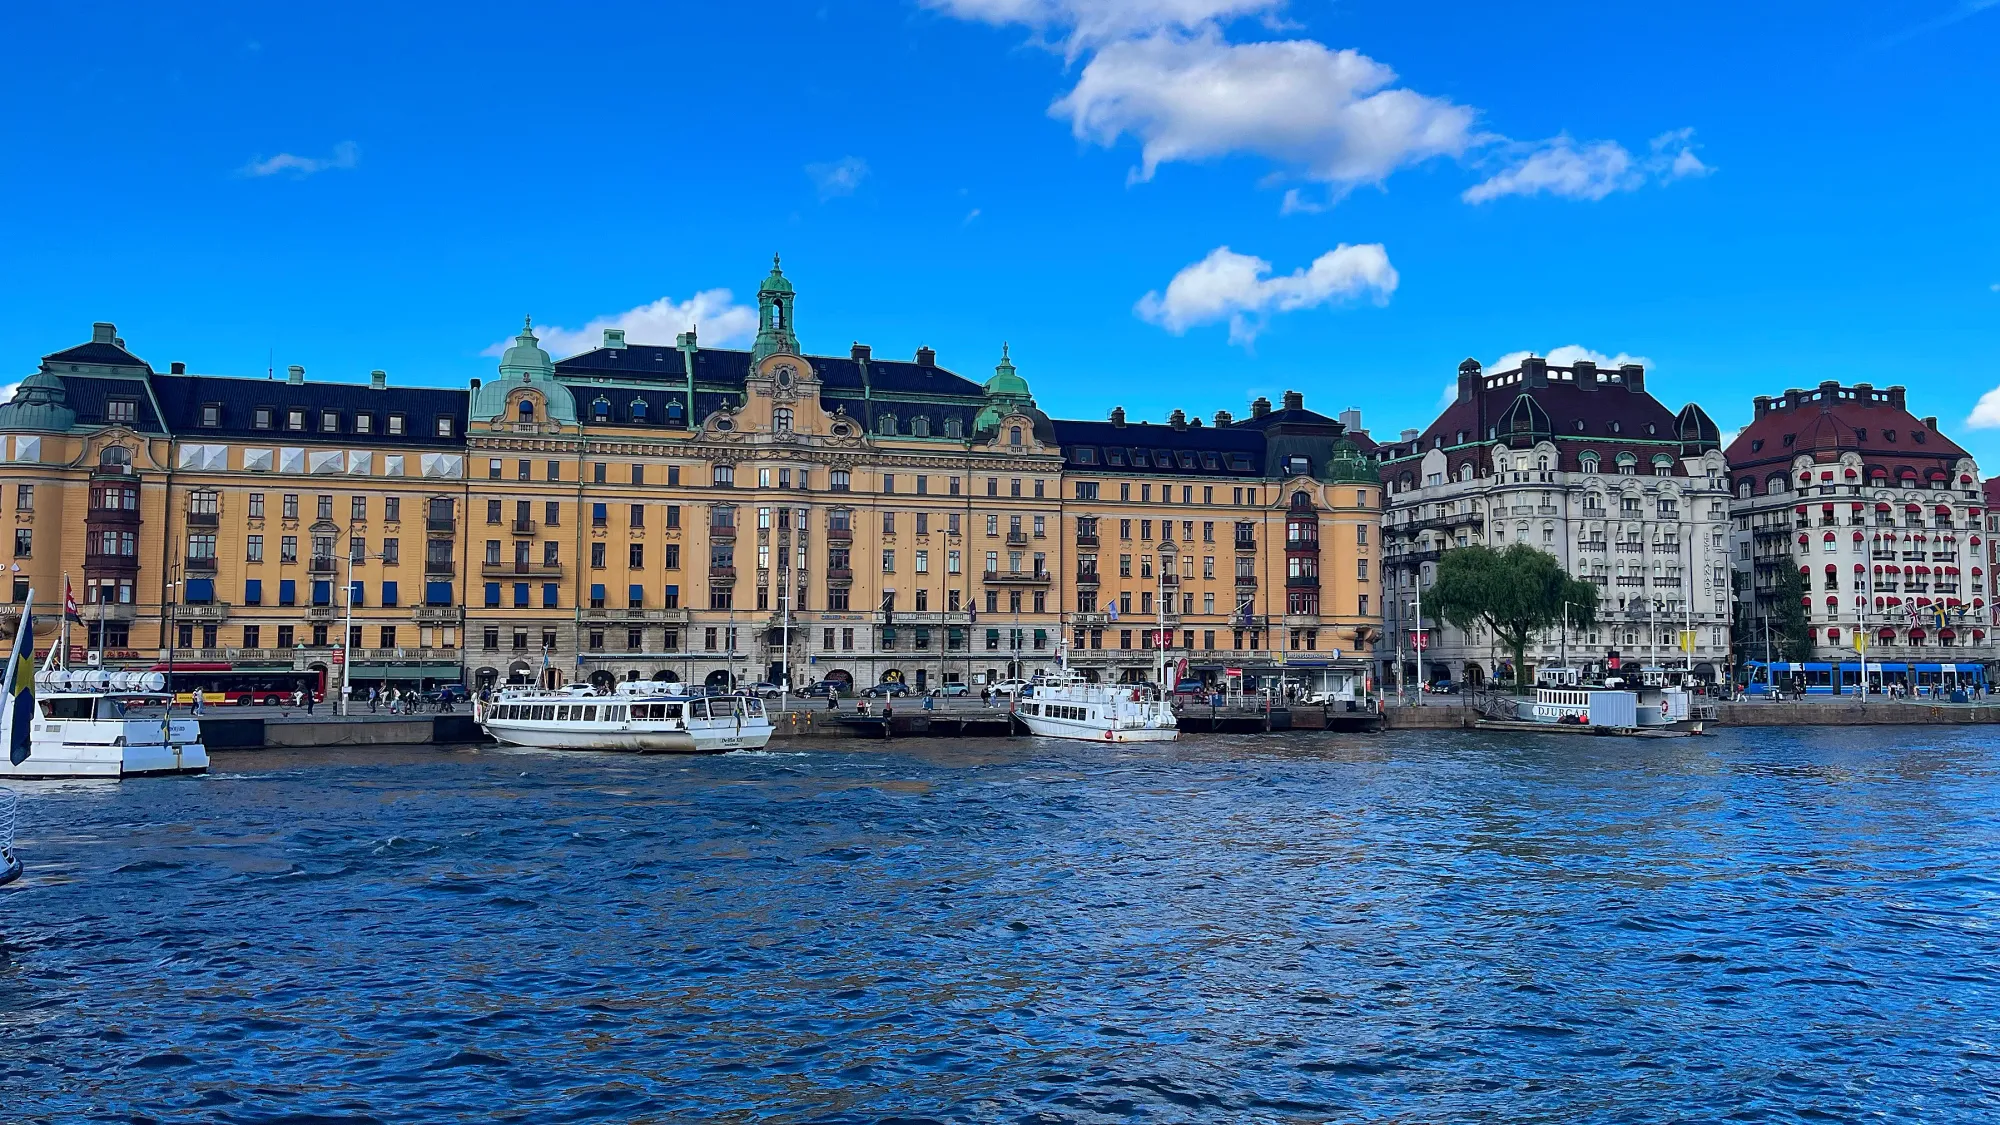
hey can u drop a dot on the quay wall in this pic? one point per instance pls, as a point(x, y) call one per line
point(1845, 712)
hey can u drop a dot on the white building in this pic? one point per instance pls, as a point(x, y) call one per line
point(1585, 464)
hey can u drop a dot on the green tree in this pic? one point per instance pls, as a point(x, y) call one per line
point(1784, 611)
point(1517, 592)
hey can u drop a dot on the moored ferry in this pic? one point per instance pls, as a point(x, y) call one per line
point(1066, 706)
point(97, 724)
point(638, 717)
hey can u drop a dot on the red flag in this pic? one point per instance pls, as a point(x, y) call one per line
point(69, 602)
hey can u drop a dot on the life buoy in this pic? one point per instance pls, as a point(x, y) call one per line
point(1107, 736)
point(1584, 718)
point(1663, 708)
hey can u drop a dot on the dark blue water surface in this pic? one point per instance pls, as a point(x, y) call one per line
point(1758, 926)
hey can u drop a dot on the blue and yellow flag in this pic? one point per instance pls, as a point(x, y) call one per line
point(19, 714)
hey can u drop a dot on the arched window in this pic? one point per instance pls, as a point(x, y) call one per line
point(1542, 464)
point(777, 314)
point(885, 424)
point(920, 426)
point(526, 409)
point(953, 428)
point(1743, 489)
point(600, 411)
point(1301, 502)
point(114, 455)
point(1014, 436)
point(781, 420)
point(639, 413)
point(1465, 471)
point(1588, 462)
point(1627, 464)
point(1663, 465)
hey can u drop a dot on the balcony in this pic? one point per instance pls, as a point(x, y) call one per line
point(113, 517)
point(1083, 540)
point(1086, 578)
point(201, 565)
point(110, 611)
point(446, 524)
point(836, 536)
point(1170, 581)
point(725, 575)
point(519, 569)
point(1305, 543)
point(725, 532)
point(841, 574)
point(436, 615)
point(1017, 577)
point(96, 562)
point(213, 611)
point(1246, 582)
point(526, 527)
point(1246, 543)
point(204, 519)
point(321, 566)
point(440, 568)
point(321, 613)
point(1017, 539)
point(1302, 582)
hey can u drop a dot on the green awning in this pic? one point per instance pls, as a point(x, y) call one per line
point(362, 673)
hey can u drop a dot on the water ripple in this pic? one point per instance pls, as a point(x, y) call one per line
point(1762, 926)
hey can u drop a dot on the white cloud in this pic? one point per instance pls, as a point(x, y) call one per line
point(1086, 23)
point(1986, 412)
point(345, 155)
point(839, 177)
point(969, 216)
point(1236, 287)
point(1995, 287)
point(718, 319)
point(1331, 115)
point(1563, 167)
point(1567, 356)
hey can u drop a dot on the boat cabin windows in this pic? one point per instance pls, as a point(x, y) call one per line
point(67, 707)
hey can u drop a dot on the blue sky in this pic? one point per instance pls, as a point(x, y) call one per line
point(1749, 196)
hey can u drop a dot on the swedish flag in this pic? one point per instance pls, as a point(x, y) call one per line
point(19, 714)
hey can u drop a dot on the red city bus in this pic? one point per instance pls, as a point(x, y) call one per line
point(222, 684)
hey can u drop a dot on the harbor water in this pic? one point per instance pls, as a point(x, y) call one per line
point(1763, 925)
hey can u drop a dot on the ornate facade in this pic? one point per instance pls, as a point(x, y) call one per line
point(1584, 463)
point(681, 512)
point(1880, 513)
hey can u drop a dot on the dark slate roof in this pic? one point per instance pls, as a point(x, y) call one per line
point(1830, 420)
point(1218, 451)
point(722, 366)
point(88, 396)
point(1289, 416)
point(109, 355)
point(182, 397)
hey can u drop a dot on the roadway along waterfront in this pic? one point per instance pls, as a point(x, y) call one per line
point(1416, 926)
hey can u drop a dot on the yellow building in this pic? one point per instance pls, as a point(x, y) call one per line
point(684, 513)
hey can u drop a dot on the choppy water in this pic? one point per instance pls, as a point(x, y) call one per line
point(1791, 925)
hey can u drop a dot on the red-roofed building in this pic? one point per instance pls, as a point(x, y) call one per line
point(1883, 516)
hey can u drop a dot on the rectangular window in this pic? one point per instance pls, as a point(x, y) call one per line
point(637, 554)
point(254, 546)
point(291, 508)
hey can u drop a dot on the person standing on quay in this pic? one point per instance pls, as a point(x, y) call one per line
point(199, 701)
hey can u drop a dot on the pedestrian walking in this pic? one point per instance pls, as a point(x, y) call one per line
point(374, 697)
point(199, 701)
point(310, 697)
point(832, 701)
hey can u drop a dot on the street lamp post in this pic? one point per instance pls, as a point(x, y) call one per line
point(173, 633)
point(347, 635)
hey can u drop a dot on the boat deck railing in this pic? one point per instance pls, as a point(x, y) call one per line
point(10, 864)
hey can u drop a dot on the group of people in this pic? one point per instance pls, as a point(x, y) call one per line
point(400, 702)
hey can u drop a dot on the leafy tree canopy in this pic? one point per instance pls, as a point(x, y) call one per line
point(1516, 592)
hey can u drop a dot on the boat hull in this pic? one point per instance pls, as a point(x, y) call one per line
point(57, 761)
point(560, 736)
point(1045, 727)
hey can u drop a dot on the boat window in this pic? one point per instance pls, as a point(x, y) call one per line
point(66, 708)
point(589, 713)
point(698, 709)
point(562, 714)
point(614, 714)
point(756, 707)
point(673, 710)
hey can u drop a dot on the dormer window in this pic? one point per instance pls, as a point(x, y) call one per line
point(1295, 466)
point(920, 426)
point(123, 411)
point(1014, 436)
point(886, 424)
point(676, 416)
point(953, 428)
point(295, 419)
point(525, 409)
point(781, 420)
point(211, 414)
point(396, 425)
point(261, 418)
point(329, 422)
point(364, 423)
point(444, 426)
point(638, 410)
point(600, 411)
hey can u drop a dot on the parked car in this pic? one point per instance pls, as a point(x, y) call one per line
point(950, 690)
point(763, 690)
point(1443, 687)
point(456, 693)
point(892, 688)
point(822, 688)
point(1010, 687)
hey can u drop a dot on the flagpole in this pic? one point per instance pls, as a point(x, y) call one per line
point(19, 726)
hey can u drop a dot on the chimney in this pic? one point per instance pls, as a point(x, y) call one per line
point(1896, 397)
point(861, 353)
point(1223, 418)
point(475, 383)
point(1410, 435)
point(1586, 374)
point(1294, 400)
point(177, 368)
point(1865, 392)
point(1930, 423)
point(1117, 415)
point(1260, 406)
point(614, 337)
point(1763, 405)
point(926, 357)
point(1350, 418)
point(1468, 379)
point(378, 380)
point(118, 340)
point(1178, 419)
point(1195, 422)
point(103, 332)
point(1634, 376)
point(295, 374)
point(1534, 372)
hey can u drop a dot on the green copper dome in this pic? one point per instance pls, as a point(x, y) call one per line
point(40, 403)
point(1005, 383)
point(526, 356)
point(775, 283)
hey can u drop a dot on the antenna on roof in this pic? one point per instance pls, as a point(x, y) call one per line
point(271, 364)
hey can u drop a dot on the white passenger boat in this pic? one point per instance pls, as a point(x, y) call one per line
point(106, 725)
point(639, 717)
point(1065, 705)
